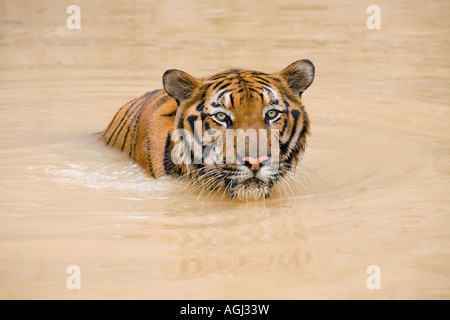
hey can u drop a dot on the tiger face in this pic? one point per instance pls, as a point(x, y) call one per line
point(246, 129)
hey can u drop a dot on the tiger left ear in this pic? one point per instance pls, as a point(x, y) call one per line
point(298, 75)
point(179, 84)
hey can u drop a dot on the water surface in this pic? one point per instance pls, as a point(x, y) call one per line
point(373, 188)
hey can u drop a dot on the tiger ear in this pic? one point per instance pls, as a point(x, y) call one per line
point(298, 75)
point(179, 85)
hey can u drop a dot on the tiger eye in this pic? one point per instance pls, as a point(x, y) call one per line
point(220, 116)
point(271, 114)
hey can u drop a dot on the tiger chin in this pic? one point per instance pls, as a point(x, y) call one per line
point(255, 124)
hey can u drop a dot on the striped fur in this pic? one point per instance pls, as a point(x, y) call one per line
point(136, 130)
point(142, 128)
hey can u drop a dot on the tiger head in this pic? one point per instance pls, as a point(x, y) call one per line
point(241, 130)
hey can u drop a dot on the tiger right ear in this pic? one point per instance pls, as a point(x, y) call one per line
point(298, 75)
point(179, 85)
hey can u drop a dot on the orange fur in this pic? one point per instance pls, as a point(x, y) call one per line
point(143, 127)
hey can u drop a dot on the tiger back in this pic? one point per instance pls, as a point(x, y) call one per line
point(141, 129)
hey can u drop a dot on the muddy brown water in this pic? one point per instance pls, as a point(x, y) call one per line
point(373, 188)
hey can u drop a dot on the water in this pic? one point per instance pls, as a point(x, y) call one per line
point(372, 190)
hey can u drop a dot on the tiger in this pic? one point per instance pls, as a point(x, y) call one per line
point(234, 100)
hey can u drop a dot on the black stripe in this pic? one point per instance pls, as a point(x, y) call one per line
point(284, 148)
point(284, 126)
point(160, 102)
point(295, 150)
point(218, 76)
point(286, 103)
point(136, 117)
point(229, 123)
point(133, 147)
point(258, 92)
point(207, 126)
point(264, 83)
point(261, 96)
point(191, 120)
point(168, 164)
point(268, 89)
point(274, 79)
point(261, 80)
point(132, 136)
point(218, 83)
point(226, 85)
point(204, 90)
point(123, 119)
point(257, 73)
point(134, 121)
point(305, 127)
point(135, 131)
point(171, 114)
point(232, 100)
point(136, 124)
point(152, 93)
point(200, 106)
point(223, 92)
point(133, 114)
point(149, 158)
point(115, 116)
point(216, 105)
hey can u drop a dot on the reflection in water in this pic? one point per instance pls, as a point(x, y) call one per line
point(372, 189)
point(241, 241)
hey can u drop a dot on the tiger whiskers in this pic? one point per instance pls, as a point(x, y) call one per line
point(212, 184)
point(290, 181)
point(226, 190)
point(282, 185)
point(211, 181)
point(195, 179)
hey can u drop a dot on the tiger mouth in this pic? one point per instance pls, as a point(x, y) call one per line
point(240, 184)
point(250, 189)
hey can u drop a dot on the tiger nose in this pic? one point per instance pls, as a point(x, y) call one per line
point(254, 164)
